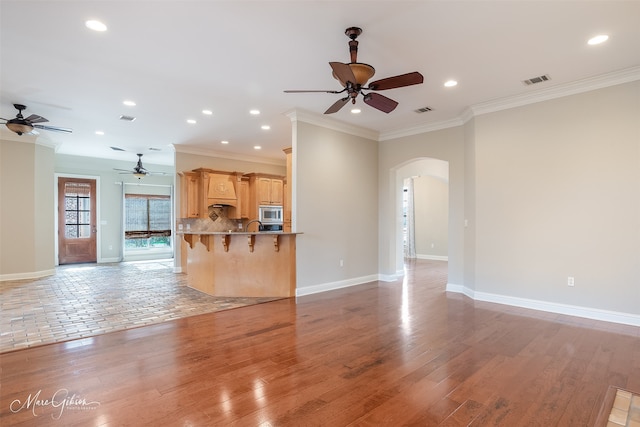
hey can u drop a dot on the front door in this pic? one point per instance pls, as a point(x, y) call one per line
point(76, 220)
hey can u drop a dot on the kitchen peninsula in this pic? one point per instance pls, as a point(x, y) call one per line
point(242, 264)
point(235, 240)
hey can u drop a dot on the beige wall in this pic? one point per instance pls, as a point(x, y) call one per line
point(336, 207)
point(26, 217)
point(557, 194)
point(446, 145)
point(431, 207)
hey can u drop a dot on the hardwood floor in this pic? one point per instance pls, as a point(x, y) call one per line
point(373, 355)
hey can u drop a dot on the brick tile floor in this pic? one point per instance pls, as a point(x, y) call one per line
point(85, 300)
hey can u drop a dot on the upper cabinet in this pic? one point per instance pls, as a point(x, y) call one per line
point(191, 195)
point(268, 190)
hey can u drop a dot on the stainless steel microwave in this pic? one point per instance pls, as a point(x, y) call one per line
point(270, 214)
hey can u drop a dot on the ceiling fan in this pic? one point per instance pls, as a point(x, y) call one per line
point(139, 171)
point(354, 76)
point(20, 125)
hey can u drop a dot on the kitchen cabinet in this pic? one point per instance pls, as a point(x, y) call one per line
point(242, 209)
point(192, 195)
point(269, 191)
point(264, 189)
point(286, 217)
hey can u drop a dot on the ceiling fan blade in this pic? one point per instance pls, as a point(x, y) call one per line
point(337, 105)
point(34, 118)
point(343, 72)
point(53, 128)
point(309, 91)
point(380, 102)
point(397, 81)
point(124, 170)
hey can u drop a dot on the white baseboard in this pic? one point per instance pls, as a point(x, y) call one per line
point(308, 290)
point(109, 260)
point(552, 307)
point(177, 269)
point(390, 277)
point(25, 276)
point(433, 257)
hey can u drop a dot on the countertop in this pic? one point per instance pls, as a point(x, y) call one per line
point(240, 233)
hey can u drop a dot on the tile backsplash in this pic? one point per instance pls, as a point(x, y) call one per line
point(217, 221)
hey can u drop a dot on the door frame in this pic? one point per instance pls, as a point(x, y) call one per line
point(55, 213)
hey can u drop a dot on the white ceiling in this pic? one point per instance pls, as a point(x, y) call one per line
point(175, 58)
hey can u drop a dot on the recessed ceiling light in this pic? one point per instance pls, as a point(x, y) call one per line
point(99, 132)
point(207, 112)
point(129, 103)
point(224, 142)
point(598, 39)
point(254, 112)
point(450, 83)
point(356, 111)
point(95, 25)
point(257, 147)
point(265, 127)
point(191, 121)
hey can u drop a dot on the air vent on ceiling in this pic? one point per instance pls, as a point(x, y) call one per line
point(127, 118)
point(155, 149)
point(535, 80)
point(423, 110)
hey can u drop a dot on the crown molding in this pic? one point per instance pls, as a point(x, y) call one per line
point(7, 135)
point(187, 149)
point(579, 86)
point(415, 130)
point(558, 91)
point(329, 123)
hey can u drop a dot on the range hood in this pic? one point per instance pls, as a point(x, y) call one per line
point(222, 190)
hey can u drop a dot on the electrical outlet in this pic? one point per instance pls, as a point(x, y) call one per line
point(110, 247)
point(570, 281)
point(188, 226)
point(341, 263)
point(180, 227)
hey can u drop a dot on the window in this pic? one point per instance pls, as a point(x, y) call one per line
point(147, 221)
point(77, 210)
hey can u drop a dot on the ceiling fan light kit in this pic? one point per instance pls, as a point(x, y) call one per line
point(354, 76)
point(22, 125)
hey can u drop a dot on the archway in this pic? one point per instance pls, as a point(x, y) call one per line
point(419, 167)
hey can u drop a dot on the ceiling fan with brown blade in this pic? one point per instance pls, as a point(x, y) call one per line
point(354, 76)
point(21, 125)
point(138, 171)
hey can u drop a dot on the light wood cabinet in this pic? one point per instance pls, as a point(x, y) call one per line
point(269, 191)
point(242, 209)
point(244, 198)
point(286, 226)
point(192, 195)
point(264, 189)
